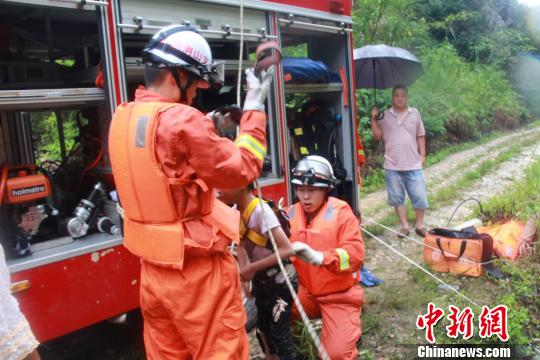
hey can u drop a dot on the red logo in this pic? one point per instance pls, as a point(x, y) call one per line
point(429, 320)
point(460, 323)
point(494, 322)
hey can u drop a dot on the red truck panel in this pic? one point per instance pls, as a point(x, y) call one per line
point(68, 295)
point(341, 7)
point(276, 192)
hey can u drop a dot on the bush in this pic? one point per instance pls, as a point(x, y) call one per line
point(458, 100)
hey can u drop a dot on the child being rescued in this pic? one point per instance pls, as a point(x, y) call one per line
point(325, 234)
point(258, 266)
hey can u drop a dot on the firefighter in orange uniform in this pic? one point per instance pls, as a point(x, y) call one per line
point(329, 248)
point(167, 160)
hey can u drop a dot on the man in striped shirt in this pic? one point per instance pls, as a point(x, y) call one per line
point(403, 133)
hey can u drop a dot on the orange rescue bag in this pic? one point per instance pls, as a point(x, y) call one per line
point(457, 252)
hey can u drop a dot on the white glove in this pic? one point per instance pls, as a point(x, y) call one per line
point(257, 89)
point(307, 254)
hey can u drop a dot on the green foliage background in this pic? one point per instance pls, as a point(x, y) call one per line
point(45, 130)
point(476, 78)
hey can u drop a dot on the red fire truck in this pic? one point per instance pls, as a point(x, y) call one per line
point(64, 67)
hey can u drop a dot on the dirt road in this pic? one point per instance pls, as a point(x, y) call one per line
point(448, 170)
point(391, 310)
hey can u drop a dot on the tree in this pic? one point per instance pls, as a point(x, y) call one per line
point(490, 32)
point(390, 22)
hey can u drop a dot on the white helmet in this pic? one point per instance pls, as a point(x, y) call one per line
point(315, 171)
point(179, 46)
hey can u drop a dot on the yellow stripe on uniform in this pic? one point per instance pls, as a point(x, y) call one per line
point(304, 150)
point(252, 145)
point(344, 259)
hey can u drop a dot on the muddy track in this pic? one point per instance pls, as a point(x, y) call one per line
point(399, 300)
point(448, 170)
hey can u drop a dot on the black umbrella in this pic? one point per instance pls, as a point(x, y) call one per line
point(382, 67)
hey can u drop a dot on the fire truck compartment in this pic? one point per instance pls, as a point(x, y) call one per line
point(39, 49)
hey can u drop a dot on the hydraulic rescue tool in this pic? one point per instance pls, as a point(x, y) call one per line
point(85, 214)
point(28, 202)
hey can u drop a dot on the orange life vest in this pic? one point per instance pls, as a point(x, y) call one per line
point(322, 234)
point(153, 228)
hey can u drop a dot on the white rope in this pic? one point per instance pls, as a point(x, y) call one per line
point(463, 259)
point(241, 57)
point(305, 319)
point(417, 265)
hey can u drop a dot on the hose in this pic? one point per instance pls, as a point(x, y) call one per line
point(92, 165)
point(459, 205)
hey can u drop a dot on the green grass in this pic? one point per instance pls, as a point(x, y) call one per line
point(303, 342)
point(519, 293)
point(522, 201)
point(373, 182)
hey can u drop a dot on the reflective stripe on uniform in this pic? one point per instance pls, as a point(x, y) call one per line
point(298, 131)
point(343, 259)
point(304, 150)
point(252, 145)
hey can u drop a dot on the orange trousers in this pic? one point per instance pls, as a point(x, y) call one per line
point(341, 325)
point(194, 313)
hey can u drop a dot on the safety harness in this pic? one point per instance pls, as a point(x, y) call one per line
point(254, 236)
point(245, 231)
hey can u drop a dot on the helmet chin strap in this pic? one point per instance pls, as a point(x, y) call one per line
point(183, 89)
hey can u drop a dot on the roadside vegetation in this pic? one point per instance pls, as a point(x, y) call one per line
point(475, 56)
point(521, 202)
point(474, 89)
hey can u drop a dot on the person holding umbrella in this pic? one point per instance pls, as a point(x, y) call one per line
point(402, 130)
point(401, 127)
